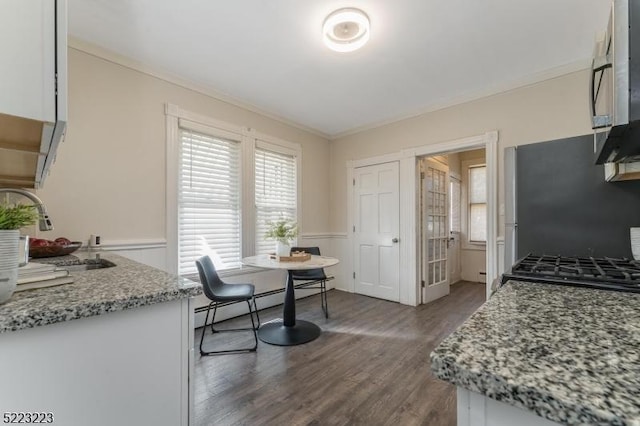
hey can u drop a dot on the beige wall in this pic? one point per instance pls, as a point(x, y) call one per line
point(109, 177)
point(475, 154)
point(453, 161)
point(548, 110)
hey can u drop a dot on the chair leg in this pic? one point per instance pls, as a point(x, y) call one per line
point(204, 329)
point(325, 301)
point(213, 319)
point(255, 307)
point(253, 325)
point(229, 351)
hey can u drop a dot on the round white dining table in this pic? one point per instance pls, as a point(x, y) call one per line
point(289, 331)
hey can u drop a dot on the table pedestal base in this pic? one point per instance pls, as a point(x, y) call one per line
point(275, 333)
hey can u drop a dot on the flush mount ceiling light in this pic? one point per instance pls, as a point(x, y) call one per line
point(346, 30)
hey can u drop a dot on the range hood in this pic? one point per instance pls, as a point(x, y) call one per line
point(615, 86)
point(621, 145)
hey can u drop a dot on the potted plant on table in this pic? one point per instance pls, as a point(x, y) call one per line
point(284, 232)
point(12, 218)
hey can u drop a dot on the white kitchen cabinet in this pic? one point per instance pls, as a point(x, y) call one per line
point(478, 410)
point(128, 367)
point(33, 84)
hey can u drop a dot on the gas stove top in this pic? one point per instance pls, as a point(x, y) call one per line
point(602, 273)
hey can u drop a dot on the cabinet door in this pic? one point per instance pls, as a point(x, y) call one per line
point(27, 49)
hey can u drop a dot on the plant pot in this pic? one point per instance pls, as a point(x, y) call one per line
point(9, 249)
point(283, 249)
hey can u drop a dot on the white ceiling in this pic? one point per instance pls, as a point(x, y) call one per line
point(422, 54)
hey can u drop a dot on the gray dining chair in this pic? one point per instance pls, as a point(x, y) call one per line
point(313, 278)
point(221, 293)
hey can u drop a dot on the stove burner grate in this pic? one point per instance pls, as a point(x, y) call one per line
point(607, 273)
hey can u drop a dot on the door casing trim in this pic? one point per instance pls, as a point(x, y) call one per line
point(409, 185)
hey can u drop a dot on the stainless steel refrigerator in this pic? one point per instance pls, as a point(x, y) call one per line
point(557, 202)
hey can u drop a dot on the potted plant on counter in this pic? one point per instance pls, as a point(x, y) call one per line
point(12, 218)
point(284, 232)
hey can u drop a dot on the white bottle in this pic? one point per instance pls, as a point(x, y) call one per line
point(94, 247)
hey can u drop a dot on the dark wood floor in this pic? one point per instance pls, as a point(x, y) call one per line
point(370, 366)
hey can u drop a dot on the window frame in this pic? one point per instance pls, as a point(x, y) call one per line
point(455, 177)
point(248, 138)
point(229, 207)
point(283, 150)
point(467, 165)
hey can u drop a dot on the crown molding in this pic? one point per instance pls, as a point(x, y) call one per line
point(516, 84)
point(124, 61)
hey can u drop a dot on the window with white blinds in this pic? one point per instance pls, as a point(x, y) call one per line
point(209, 215)
point(478, 204)
point(275, 191)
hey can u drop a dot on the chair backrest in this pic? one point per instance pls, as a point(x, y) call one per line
point(309, 274)
point(211, 282)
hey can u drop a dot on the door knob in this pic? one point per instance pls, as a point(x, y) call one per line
point(395, 240)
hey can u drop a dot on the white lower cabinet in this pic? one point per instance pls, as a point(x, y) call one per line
point(129, 367)
point(478, 410)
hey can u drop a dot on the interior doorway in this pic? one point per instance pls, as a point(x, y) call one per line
point(376, 229)
point(452, 221)
point(408, 241)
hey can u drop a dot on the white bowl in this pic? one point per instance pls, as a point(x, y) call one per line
point(635, 242)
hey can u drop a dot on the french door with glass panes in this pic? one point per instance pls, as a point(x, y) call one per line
point(434, 229)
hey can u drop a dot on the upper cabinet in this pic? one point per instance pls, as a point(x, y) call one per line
point(33, 89)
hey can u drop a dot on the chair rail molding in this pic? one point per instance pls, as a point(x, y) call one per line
point(152, 252)
point(141, 244)
point(322, 235)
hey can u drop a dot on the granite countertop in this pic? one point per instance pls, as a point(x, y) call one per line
point(127, 285)
point(570, 355)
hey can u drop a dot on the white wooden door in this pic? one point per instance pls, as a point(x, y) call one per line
point(435, 230)
point(376, 228)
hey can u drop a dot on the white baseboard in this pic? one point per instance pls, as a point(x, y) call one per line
point(238, 309)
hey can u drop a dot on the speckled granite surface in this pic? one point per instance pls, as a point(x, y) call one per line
point(568, 354)
point(128, 285)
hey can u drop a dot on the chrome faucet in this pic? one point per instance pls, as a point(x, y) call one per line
point(44, 222)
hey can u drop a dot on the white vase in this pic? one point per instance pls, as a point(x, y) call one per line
point(282, 249)
point(9, 249)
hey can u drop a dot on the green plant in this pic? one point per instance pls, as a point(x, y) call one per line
point(16, 216)
point(282, 230)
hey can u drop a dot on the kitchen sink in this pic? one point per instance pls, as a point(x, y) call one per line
point(89, 265)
